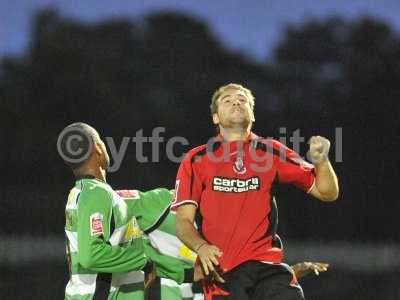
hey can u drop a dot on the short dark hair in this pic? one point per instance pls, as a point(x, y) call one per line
point(75, 144)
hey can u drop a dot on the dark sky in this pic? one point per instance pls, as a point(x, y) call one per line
point(251, 26)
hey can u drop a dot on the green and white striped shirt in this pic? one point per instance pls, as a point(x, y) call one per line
point(103, 237)
point(93, 208)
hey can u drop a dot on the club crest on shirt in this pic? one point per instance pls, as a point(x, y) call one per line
point(96, 224)
point(238, 166)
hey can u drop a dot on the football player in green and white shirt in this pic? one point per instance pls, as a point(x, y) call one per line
point(105, 246)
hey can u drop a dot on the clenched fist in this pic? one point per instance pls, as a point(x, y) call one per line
point(319, 149)
point(304, 268)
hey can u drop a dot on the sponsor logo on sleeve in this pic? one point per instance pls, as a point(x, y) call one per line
point(129, 194)
point(96, 224)
point(132, 230)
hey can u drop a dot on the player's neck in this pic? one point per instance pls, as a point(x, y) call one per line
point(234, 134)
point(97, 172)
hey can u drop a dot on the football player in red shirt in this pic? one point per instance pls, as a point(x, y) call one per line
point(231, 180)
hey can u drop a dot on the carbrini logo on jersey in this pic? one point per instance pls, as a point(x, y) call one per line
point(235, 185)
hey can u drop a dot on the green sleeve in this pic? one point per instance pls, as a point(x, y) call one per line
point(156, 194)
point(167, 266)
point(94, 253)
point(149, 206)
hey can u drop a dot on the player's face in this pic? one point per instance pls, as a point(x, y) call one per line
point(233, 109)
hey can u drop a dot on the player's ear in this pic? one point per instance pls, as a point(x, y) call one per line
point(97, 148)
point(252, 118)
point(215, 119)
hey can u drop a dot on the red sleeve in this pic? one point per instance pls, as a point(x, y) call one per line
point(188, 186)
point(293, 169)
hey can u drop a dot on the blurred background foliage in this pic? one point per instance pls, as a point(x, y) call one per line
point(122, 75)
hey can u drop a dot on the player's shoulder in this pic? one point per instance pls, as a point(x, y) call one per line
point(195, 152)
point(270, 143)
point(94, 189)
point(284, 153)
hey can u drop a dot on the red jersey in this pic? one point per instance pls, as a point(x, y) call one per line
point(230, 183)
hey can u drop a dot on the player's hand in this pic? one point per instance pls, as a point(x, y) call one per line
point(208, 255)
point(319, 149)
point(216, 275)
point(199, 274)
point(305, 268)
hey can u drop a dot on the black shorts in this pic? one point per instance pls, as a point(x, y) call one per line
point(255, 280)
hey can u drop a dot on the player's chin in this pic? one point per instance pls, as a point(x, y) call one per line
point(242, 120)
point(238, 114)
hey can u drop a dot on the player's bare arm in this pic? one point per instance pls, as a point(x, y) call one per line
point(188, 234)
point(326, 186)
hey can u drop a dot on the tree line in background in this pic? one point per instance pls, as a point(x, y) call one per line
point(123, 75)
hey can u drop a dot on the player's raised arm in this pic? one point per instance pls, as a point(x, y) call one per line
point(326, 187)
